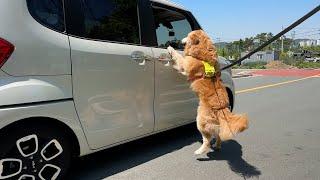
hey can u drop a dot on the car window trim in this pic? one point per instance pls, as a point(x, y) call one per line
point(155, 7)
point(43, 24)
point(147, 24)
point(190, 18)
point(69, 27)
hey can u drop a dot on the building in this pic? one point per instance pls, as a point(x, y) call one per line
point(302, 44)
point(262, 56)
point(308, 43)
point(318, 42)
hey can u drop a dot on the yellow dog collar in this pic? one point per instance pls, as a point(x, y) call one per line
point(209, 70)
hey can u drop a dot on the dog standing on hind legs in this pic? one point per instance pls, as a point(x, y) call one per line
point(214, 118)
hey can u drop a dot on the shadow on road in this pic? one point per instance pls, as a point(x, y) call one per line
point(121, 158)
point(115, 160)
point(232, 153)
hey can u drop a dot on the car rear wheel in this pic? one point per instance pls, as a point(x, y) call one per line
point(34, 152)
point(230, 95)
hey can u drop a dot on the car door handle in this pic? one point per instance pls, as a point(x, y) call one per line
point(140, 57)
point(165, 58)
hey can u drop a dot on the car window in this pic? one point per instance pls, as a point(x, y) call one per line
point(171, 27)
point(48, 12)
point(111, 20)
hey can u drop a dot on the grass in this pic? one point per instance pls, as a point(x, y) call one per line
point(252, 65)
point(300, 63)
point(304, 65)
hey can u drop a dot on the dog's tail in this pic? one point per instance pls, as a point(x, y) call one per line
point(231, 124)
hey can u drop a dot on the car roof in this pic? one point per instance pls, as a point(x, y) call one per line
point(170, 3)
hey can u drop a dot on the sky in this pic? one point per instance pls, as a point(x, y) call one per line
point(229, 20)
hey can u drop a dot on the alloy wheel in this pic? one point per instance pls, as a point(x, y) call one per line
point(32, 158)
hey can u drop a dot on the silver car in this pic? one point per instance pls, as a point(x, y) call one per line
point(80, 76)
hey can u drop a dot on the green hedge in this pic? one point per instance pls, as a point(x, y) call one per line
point(303, 64)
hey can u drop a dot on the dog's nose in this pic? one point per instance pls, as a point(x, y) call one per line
point(184, 40)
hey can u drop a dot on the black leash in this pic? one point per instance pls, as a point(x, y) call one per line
point(295, 24)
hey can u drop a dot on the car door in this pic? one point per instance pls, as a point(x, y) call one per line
point(113, 75)
point(175, 103)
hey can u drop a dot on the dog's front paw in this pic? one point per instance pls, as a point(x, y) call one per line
point(170, 50)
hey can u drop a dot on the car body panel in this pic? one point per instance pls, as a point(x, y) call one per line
point(112, 92)
point(167, 123)
point(30, 89)
point(136, 138)
point(38, 49)
point(3, 74)
point(175, 103)
point(226, 75)
point(103, 105)
point(62, 111)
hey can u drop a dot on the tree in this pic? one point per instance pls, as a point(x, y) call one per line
point(236, 47)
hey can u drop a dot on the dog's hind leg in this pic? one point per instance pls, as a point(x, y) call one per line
point(205, 132)
point(217, 145)
point(205, 144)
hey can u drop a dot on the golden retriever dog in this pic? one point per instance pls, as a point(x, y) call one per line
point(214, 118)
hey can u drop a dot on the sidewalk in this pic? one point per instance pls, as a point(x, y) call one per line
point(237, 73)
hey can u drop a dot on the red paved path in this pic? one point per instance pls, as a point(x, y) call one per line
point(287, 72)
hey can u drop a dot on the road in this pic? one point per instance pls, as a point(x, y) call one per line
point(283, 141)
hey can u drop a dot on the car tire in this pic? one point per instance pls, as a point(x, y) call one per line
point(230, 96)
point(34, 152)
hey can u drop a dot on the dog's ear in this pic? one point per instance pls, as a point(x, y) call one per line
point(195, 42)
point(194, 39)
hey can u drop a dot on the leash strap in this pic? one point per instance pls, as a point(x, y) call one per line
point(295, 24)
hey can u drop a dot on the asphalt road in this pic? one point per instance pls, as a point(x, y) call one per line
point(283, 141)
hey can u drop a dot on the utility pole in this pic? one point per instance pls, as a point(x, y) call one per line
point(282, 38)
point(293, 35)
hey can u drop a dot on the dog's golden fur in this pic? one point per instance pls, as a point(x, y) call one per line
point(214, 117)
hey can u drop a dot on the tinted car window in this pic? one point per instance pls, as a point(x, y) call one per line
point(171, 28)
point(48, 12)
point(112, 20)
